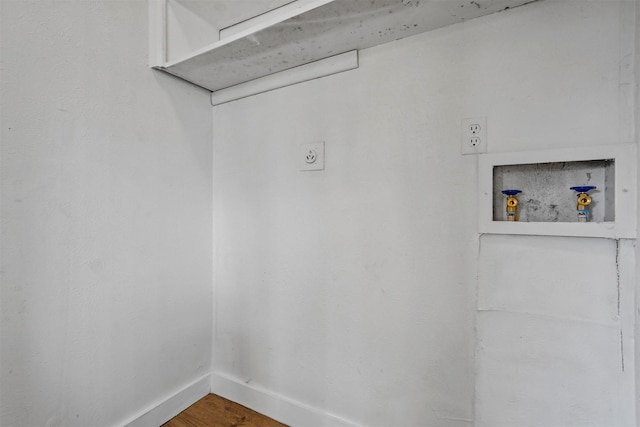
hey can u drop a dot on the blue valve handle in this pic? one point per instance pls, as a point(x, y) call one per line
point(513, 192)
point(583, 189)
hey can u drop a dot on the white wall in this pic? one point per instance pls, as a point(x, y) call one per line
point(637, 282)
point(106, 218)
point(555, 315)
point(637, 287)
point(555, 332)
point(353, 290)
point(350, 291)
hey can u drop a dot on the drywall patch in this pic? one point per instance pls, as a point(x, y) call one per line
point(551, 326)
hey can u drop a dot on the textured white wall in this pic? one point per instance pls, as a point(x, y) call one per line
point(352, 290)
point(106, 218)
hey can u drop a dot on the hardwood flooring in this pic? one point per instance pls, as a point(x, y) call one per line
point(216, 411)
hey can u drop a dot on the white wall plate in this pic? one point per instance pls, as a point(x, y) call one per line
point(311, 156)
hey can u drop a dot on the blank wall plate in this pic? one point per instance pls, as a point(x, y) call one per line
point(311, 156)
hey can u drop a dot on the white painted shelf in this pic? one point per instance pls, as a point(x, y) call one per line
point(297, 33)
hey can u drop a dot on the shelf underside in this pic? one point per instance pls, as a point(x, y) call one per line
point(327, 30)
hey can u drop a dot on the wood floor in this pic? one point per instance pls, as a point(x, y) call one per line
point(216, 411)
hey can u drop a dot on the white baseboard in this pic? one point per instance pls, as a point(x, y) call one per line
point(273, 405)
point(162, 411)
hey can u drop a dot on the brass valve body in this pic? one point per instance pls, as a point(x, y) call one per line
point(512, 202)
point(584, 200)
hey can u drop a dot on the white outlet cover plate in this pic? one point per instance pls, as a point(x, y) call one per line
point(466, 134)
point(309, 150)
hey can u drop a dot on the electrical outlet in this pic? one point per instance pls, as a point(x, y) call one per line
point(312, 156)
point(473, 135)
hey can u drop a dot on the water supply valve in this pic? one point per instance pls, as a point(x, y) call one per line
point(512, 204)
point(584, 200)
